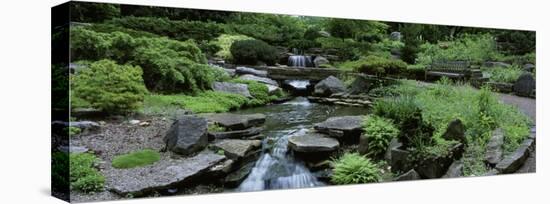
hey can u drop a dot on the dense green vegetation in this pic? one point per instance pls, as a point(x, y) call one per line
point(136, 159)
point(253, 52)
point(110, 87)
point(378, 132)
point(83, 174)
point(479, 110)
point(352, 168)
point(205, 102)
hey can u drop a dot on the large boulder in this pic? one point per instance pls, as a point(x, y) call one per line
point(235, 178)
point(408, 176)
point(247, 70)
point(237, 121)
point(187, 135)
point(234, 88)
point(437, 166)
point(329, 86)
point(493, 154)
point(162, 175)
point(361, 85)
point(237, 149)
point(395, 36)
point(346, 128)
point(312, 142)
point(525, 84)
point(272, 89)
point(264, 80)
point(514, 161)
point(455, 170)
point(455, 131)
point(319, 61)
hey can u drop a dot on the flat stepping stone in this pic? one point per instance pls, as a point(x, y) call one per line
point(237, 149)
point(237, 121)
point(162, 175)
point(236, 134)
point(514, 161)
point(313, 142)
point(347, 128)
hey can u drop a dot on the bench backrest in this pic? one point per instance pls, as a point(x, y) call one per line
point(450, 66)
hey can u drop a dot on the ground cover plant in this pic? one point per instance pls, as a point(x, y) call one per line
point(84, 177)
point(136, 159)
point(352, 168)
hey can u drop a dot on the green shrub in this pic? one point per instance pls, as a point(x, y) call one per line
point(302, 44)
point(136, 159)
point(225, 41)
point(260, 92)
point(376, 65)
point(407, 115)
point(474, 48)
point(84, 177)
point(178, 30)
point(252, 52)
point(204, 102)
point(60, 171)
point(505, 75)
point(74, 131)
point(345, 49)
point(379, 132)
point(93, 12)
point(110, 28)
point(271, 28)
point(352, 168)
point(110, 87)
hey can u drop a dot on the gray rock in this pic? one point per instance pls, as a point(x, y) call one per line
point(237, 177)
point(394, 144)
point(187, 135)
point(395, 36)
point(436, 167)
point(247, 70)
point(492, 172)
point(324, 175)
point(496, 64)
point(525, 84)
point(363, 147)
point(529, 68)
point(455, 131)
point(455, 170)
point(222, 169)
point(237, 121)
point(360, 85)
point(346, 127)
point(237, 149)
point(410, 175)
point(259, 79)
point(230, 72)
point(493, 154)
point(73, 149)
point(329, 86)
point(324, 33)
point(236, 134)
point(312, 142)
point(162, 175)
point(85, 125)
point(272, 89)
point(318, 61)
point(399, 160)
point(514, 161)
point(234, 88)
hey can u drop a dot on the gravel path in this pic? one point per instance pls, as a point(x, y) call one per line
point(527, 106)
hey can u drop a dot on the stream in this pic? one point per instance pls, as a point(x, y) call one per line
point(277, 168)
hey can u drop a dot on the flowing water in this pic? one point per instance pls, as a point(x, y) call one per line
point(300, 61)
point(277, 168)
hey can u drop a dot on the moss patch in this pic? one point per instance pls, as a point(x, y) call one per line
point(136, 159)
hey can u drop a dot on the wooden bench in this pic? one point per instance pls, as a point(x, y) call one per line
point(450, 69)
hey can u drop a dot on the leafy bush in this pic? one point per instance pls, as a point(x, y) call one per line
point(376, 65)
point(84, 177)
point(178, 30)
point(352, 168)
point(379, 132)
point(136, 159)
point(407, 115)
point(302, 44)
point(204, 102)
point(444, 102)
point(110, 87)
point(93, 12)
point(60, 171)
point(271, 28)
point(345, 49)
point(110, 28)
point(225, 41)
point(505, 75)
point(252, 52)
point(474, 48)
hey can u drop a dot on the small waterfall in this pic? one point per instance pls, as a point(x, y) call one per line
point(278, 170)
point(300, 61)
point(298, 84)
